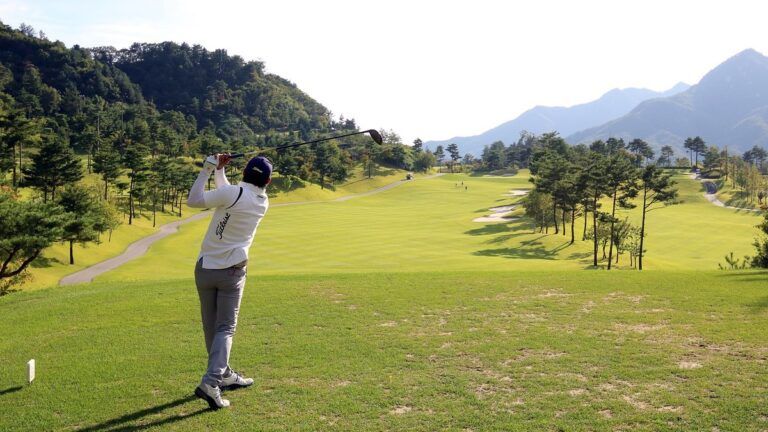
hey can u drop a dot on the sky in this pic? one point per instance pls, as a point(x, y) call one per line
point(431, 69)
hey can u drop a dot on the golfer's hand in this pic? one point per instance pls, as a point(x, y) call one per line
point(210, 162)
point(223, 159)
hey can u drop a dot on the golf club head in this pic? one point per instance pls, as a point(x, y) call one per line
point(375, 135)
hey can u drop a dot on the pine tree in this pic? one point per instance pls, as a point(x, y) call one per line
point(26, 228)
point(135, 161)
point(55, 165)
point(107, 163)
point(88, 217)
point(453, 152)
point(621, 181)
point(657, 188)
point(418, 145)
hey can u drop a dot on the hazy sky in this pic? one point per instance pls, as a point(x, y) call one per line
point(432, 69)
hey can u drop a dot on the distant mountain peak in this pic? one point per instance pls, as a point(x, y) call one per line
point(743, 59)
point(728, 106)
point(749, 52)
point(677, 88)
point(565, 120)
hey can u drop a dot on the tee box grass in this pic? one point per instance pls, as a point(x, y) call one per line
point(425, 351)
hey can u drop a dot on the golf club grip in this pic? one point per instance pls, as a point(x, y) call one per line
point(236, 155)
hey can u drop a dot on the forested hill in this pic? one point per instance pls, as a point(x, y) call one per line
point(186, 88)
point(217, 89)
point(50, 78)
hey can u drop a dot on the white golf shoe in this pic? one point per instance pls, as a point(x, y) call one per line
point(212, 395)
point(235, 381)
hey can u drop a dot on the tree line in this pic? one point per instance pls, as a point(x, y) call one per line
point(592, 182)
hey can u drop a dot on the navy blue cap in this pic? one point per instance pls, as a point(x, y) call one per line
point(258, 171)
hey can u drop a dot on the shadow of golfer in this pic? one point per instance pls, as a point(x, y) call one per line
point(10, 390)
point(125, 423)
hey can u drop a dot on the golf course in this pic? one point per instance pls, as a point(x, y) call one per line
point(395, 310)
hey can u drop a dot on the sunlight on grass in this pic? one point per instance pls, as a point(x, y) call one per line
point(427, 225)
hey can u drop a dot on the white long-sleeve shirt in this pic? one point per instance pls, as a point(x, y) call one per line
point(239, 210)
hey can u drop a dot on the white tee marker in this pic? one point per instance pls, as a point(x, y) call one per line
point(30, 371)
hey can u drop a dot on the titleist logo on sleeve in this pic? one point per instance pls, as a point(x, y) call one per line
point(222, 225)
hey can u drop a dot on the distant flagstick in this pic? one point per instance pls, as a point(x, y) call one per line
point(375, 135)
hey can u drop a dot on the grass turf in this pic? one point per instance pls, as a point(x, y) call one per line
point(397, 312)
point(426, 225)
point(54, 264)
point(585, 350)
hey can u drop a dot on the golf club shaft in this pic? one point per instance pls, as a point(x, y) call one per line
point(287, 146)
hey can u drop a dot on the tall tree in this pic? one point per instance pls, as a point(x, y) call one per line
point(640, 150)
point(424, 161)
point(549, 170)
point(418, 145)
point(667, 153)
point(712, 158)
point(107, 163)
point(17, 131)
point(135, 160)
point(88, 217)
point(760, 259)
point(689, 145)
point(439, 155)
point(331, 163)
point(453, 153)
point(695, 146)
point(26, 228)
point(595, 188)
point(657, 188)
point(494, 156)
point(621, 181)
point(571, 194)
point(615, 145)
point(55, 165)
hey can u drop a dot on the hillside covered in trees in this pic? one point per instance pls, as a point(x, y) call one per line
point(135, 120)
point(164, 99)
point(186, 88)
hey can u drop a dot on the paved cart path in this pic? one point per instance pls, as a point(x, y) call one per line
point(711, 196)
point(141, 246)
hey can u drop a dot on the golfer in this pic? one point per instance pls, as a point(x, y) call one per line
point(221, 266)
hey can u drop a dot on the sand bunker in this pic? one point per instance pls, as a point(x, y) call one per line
point(517, 192)
point(497, 215)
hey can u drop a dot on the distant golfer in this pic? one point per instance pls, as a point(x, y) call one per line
point(221, 266)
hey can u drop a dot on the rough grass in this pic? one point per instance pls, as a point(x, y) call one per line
point(735, 197)
point(584, 350)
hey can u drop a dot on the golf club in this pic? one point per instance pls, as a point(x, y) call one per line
point(375, 135)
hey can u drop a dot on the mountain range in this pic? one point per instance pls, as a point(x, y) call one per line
point(565, 120)
point(729, 106)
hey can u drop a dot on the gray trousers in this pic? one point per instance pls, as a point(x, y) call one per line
point(220, 293)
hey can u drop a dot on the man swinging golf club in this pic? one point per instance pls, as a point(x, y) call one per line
point(221, 266)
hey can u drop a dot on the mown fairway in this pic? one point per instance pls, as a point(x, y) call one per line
point(396, 312)
point(54, 264)
point(426, 225)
